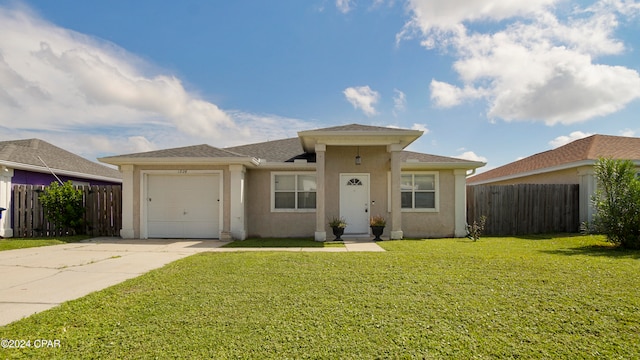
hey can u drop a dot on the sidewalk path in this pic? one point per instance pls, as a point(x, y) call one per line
point(37, 279)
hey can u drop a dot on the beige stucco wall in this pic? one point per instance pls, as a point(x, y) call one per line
point(434, 224)
point(261, 222)
point(375, 162)
point(137, 176)
point(339, 160)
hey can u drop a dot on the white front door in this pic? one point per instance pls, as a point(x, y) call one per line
point(354, 202)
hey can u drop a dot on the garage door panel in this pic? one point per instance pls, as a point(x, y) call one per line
point(183, 206)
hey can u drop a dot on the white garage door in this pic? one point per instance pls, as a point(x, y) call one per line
point(183, 206)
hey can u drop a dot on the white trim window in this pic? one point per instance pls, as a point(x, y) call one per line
point(293, 191)
point(419, 191)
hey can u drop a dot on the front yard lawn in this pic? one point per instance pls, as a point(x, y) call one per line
point(22, 243)
point(556, 297)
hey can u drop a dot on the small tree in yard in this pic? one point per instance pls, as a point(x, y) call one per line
point(63, 205)
point(617, 202)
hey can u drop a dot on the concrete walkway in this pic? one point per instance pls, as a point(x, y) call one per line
point(37, 279)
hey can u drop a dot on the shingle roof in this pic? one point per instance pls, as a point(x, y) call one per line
point(27, 151)
point(284, 150)
point(289, 149)
point(274, 151)
point(589, 148)
point(194, 151)
point(358, 127)
point(410, 155)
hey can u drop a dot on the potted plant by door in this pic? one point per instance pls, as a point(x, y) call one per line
point(338, 224)
point(377, 223)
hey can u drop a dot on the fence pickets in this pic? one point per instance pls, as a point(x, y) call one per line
point(525, 208)
point(103, 211)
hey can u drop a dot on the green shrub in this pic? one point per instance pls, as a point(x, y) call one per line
point(617, 202)
point(63, 206)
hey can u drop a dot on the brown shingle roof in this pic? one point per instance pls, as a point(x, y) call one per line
point(589, 148)
point(27, 151)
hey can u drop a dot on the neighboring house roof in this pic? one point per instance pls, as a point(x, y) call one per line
point(583, 151)
point(29, 154)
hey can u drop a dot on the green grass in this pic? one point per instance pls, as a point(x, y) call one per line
point(568, 297)
point(280, 242)
point(22, 243)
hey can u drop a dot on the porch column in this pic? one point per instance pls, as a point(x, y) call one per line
point(6, 175)
point(238, 223)
point(460, 200)
point(321, 234)
point(396, 204)
point(127, 231)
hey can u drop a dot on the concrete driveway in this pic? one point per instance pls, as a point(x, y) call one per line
point(37, 279)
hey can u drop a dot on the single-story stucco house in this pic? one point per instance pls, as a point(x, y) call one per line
point(34, 162)
point(292, 187)
point(572, 163)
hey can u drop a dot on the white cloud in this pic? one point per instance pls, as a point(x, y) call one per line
point(470, 155)
point(446, 95)
point(563, 140)
point(344, 6)
point(399, 101)
point(421, 127)
point(628, 133)
point(539, 67)
point(57, 84)
point(56, 79)
point(438, 19)
point(363, 98)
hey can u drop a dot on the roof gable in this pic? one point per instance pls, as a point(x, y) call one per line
point(356, 134)
point(590, 148)
point(29, 152)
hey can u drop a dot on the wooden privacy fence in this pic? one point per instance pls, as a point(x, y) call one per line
point(103, 211)
point(525, 208)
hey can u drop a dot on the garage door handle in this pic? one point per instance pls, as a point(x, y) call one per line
point(149, 199)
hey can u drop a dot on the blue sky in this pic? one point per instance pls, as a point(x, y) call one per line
point(488, 80)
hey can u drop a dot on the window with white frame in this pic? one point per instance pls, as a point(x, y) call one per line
point(419, 191)
point(293, 191)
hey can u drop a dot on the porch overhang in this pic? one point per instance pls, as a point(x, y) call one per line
point(386, 137)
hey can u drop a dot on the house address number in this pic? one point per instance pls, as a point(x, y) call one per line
point(182, 171)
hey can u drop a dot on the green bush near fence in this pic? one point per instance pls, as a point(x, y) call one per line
point(63, 206)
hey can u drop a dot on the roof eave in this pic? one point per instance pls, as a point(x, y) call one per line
point(41, 169)
point(575, 164)
point(467, 165)
point(247, 161)
point(403, 137)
